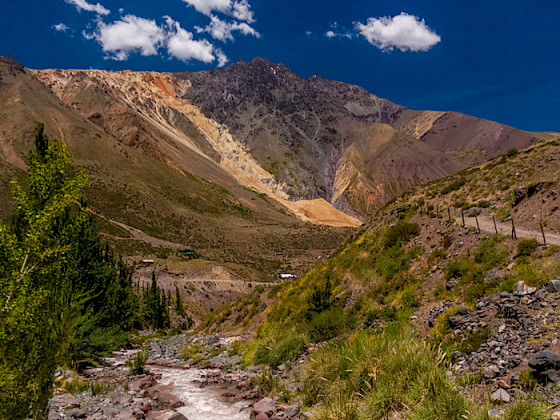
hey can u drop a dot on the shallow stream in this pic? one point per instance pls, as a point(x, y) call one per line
point(200, 403)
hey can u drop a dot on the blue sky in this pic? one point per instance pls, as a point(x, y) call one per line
point(493, 59)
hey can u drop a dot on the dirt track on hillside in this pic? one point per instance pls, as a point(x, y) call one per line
point(487, 226)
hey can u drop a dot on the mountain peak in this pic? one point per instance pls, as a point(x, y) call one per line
point(8, 64)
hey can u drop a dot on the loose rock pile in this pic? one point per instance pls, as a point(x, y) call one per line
point(524, 327)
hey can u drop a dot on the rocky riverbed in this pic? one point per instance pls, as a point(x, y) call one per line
point(174, 389)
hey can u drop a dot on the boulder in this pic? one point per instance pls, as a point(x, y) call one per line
point(162, 394)
point(550, 376)
point(491, 372)
point(521, 289)
point(177, 416)
point(291, 411)
point(500, 396)
point(544, 360)
point(554, 285)
point(266, 405)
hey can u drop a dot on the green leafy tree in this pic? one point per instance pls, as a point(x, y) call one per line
point(32, 258)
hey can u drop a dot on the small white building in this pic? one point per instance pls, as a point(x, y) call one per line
point(287, 276)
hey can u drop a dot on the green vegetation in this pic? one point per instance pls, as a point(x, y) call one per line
point(526, 247)
point(156, 306)
point(454, 185)
point(525, 409)
point(372, 376)
point(64, 297)
point(138, 362)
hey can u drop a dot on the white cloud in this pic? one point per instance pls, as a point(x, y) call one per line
point(330, 34)
point(133, 34)
point(404, 32)
point(130, 35)
point(60, 27)
point(242, 11)
point(239, 9)
point(181, 45)
point(223, 30)
point(88, 7)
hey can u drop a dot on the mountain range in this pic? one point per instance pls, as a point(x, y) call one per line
point(236, 162)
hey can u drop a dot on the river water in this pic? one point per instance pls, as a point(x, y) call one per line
point(200, 403)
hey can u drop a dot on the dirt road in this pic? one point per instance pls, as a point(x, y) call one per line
point(487, 226)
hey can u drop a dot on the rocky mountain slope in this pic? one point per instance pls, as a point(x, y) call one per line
point(151, 204)
point(227, 160)
point(290, 138)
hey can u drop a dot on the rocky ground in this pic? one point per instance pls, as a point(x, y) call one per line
point(521, 345)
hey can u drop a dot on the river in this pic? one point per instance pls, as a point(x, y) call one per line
point(200, 403)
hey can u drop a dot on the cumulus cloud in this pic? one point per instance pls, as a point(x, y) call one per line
point(130, 35)
point(404, 32)
point(181, 44)
point(88, 7)
point(133, 34)
point(330, 34)
point(223, 30)
point(60, 27)
point(239, 9)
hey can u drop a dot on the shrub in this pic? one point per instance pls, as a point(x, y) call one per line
point(525, 409)
point(279, 348)
point(526, 247)
point(328, 324)
point(138, 362)
point(400, 233)
point(387, 313)
point(527, 380)
point(512, 152)
point(454, 185)
point(490, 253)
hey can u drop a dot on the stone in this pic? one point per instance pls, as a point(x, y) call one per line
point(163, 395)
point(544, 360)
point(177, 416)
point(550, 376)
point(555, 415)
point(123, 399)
point(262, 416)
point(450, 284)
point(126, 415)
point(554, 285)
point(77, 413)
point(521, 289)
point(456, 355)
point(266, 405)
point(500, 396)
point(490, 372)
point(291, 411)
